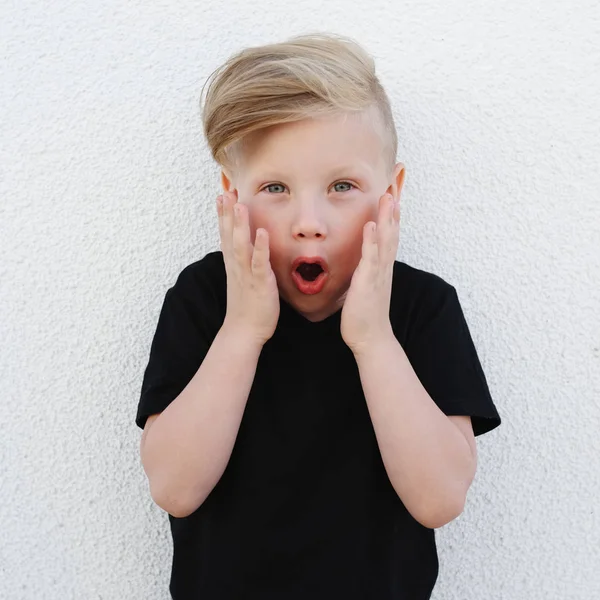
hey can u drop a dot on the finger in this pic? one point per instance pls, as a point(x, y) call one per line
point(261, 254)
point(394, 234)
point(387, 228)
point(241, 244)
point(395, 229)
point(370, 254)
point(385, 210)
point(383, 220)
point(219, 204)
point(397, 211)
point(384, 216)
point(226, 227)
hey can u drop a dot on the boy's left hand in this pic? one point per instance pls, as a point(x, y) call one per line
point(366, 312)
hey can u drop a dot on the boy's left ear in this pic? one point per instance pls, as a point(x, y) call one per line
point(395, 187)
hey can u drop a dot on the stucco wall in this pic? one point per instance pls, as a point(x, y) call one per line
point(107, 192)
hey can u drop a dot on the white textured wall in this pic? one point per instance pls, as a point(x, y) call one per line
point(107, 192)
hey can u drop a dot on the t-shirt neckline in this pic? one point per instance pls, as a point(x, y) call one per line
point(289, 317)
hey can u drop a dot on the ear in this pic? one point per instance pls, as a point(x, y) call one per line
point(226, 182)
point(395, 187)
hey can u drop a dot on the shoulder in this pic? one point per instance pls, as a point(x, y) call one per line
point(201, 286)
point(202, 278)
point(419, 288)
point(417, 297)
point(209, 270)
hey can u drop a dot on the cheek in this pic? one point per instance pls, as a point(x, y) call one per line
point(354, 225)
point(255, 219)
point(371, 211)
point(262, 219)
point(350, 250)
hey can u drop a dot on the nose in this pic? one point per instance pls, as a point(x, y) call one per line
point(308, 220)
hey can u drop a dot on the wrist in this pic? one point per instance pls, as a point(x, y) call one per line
point(373, 344)
point(242, 335)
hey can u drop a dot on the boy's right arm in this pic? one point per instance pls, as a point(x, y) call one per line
point(185, 449)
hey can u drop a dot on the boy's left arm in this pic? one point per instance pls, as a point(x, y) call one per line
point(430, 458)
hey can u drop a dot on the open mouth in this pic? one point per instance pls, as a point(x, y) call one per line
point(309, 271)
point(309, 274)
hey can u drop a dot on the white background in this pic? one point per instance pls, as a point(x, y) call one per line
point(107, 191)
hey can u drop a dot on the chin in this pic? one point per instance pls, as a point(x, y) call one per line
point(314, 305)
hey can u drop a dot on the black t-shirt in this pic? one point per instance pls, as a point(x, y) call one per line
point(304, 508)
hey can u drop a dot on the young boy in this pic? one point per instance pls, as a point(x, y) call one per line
point(310, 403)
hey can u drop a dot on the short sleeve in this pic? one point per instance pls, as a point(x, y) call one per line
point(184, 333)
point(443, 355)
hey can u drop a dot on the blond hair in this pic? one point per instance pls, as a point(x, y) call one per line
point(307, 76)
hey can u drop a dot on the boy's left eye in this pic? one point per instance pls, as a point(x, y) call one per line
point(280, 185)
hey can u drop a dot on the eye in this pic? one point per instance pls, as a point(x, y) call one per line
point(282, 187)
point(274, 185)
point(344, 183)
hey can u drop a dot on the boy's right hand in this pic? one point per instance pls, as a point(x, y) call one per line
point(252, 293)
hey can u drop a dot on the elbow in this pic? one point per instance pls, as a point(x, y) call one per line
point(442, 514)
point(449, 506)
point(173, 503)
point(179, 512)
point(167, 495)
point(179, 502)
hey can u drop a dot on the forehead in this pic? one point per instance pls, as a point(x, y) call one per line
point(316, 144)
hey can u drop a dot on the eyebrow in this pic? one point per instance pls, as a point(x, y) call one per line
point(359, 169)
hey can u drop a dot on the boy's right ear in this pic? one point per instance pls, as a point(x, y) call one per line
point(227, 183)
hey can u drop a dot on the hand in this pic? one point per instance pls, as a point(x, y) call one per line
point(252, 293)
point(366, 311)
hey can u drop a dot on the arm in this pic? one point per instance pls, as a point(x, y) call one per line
point(429, 460)
point(186, 449)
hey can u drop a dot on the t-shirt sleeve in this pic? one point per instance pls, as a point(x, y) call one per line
point(443, 355)
point(184, 333)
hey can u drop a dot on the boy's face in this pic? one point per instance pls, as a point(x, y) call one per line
point(313, 185)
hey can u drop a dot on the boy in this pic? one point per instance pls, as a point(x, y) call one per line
point(310, 403)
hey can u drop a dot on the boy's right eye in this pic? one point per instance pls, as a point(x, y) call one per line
point(280, 185)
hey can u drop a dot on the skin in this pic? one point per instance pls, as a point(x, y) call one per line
point(313, 186)
point(430, 458)
point(290, 195)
